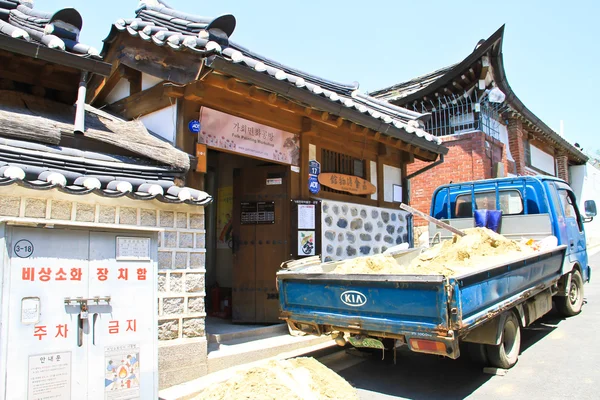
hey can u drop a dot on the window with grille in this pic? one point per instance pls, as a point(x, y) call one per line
point(340, 163)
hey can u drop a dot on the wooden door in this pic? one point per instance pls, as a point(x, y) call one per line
point(260, 243)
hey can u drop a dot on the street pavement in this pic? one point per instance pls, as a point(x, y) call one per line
point(560, 359)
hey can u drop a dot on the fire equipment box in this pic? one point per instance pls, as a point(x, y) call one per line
point(79, 313)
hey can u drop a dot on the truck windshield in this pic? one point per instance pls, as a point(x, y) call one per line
point(511, 203)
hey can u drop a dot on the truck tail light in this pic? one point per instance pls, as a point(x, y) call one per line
point(428, 346)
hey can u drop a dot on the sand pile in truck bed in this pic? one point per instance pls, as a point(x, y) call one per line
point(479, 247)
point(302, 378)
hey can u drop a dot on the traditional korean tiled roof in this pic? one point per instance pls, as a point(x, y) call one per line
point(58, 30)
point(42, 167)
point(163, 26)
point(27, 117)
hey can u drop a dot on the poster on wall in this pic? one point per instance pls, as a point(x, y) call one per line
point(306, 243)
point(224, 217)
point(238, 135)
point(122, 372)
point(49, 376)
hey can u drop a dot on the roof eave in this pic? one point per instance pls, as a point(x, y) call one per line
point(515, 103)
point(42, 52)
point(284, 89)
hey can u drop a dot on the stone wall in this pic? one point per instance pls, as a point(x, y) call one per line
point(181, 263)
point(353, 230)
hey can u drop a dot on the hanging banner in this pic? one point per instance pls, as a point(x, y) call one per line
point(224, 217)
point(238, 135)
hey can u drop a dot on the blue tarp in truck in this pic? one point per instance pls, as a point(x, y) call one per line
point(484, 308)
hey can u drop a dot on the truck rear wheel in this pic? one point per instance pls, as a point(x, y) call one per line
point(571, 304)
point(506, 354)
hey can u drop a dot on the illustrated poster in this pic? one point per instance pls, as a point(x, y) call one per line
point(122, 372)
point(225, 217)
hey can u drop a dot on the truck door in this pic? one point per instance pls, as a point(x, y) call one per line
point(574, 226)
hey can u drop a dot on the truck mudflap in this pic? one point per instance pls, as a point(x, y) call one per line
point(391, 305)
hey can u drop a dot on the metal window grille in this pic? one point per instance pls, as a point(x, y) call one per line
point(340, 163)
point(451, 115)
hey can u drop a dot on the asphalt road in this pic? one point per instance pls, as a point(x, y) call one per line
point(560, 359)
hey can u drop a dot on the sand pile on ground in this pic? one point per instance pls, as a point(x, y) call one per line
point(480, 247)
point(301, 378)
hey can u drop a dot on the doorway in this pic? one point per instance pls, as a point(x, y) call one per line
point(247, 231)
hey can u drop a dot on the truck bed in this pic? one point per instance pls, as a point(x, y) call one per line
point(413, 305)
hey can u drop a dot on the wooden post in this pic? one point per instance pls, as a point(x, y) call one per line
point(186, 141)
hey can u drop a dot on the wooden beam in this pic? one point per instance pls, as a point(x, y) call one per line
point(174, 91)
point(142, 103)
point(98, 93)
point(194, 91)
point(458, 86)
point(32, 75)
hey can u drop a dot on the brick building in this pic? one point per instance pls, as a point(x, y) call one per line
point(489, 132)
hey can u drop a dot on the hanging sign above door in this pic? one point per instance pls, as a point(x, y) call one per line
point(237, 135)
point(347, 183)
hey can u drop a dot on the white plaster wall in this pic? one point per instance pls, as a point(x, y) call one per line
point(542, 160)
point(391, 176)
point(162, 122)
point(148, 81)
point(585, 181)
point(373, 169)
point(120, 91)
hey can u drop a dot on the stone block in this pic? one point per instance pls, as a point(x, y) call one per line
point(168, 329)
point(167, 219)
point(173, 305)
point(107, 215)
point(35, 208)
point(61, 210)
point(165, 260)
point(128, 216)
point(162, 282)
point(181, 361)
point(181, 220)
point(170, 239)
point(10, 206)
point(193, 327)
point(197, 260)
point(200, 240)
point(194, 283)
point(197, 221)
point(196, 305)
point(186, 240)
point(85, 212)
point(181, 260)
point(176, 283)
point(148, 217)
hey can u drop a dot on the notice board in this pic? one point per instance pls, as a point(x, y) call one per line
point(305, 228)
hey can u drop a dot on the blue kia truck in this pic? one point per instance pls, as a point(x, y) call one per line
point(482, 311)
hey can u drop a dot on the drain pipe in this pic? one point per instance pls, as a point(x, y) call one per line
point(419, 172)
point(80, 104)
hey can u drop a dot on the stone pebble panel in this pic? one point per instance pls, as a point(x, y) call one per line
point(352, 230)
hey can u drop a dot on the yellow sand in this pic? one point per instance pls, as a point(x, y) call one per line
point(301, 378)
point(480, 247)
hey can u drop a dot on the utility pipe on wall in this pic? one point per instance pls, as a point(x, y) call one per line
point(80, 104)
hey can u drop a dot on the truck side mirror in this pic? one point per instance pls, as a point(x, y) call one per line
point(590, 210)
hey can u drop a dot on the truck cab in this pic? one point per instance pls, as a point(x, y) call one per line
point(532, 207)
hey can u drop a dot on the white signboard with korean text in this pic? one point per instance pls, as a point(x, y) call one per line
point(83, 319)
point(238, 135)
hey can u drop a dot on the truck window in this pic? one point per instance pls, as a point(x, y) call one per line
point(568, 203)
point(511, 203)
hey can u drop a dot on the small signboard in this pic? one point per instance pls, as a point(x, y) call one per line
point(257, 212)
point(347, 183)
point(133, 249)
point(201, 158)
point(194, 126)
point(306, 228)
point(314, 169)
point(49, 376)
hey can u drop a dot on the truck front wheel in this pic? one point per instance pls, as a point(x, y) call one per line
point(571, 304)
point(505, 354)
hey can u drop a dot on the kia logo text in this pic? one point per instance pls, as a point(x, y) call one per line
point(353, 298)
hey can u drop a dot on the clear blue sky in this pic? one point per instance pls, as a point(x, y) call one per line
point(550, 47)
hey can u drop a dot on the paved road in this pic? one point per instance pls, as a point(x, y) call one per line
point(560, 359)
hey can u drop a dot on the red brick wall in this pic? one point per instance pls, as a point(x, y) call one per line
point(515, 141)
point(466, 161)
